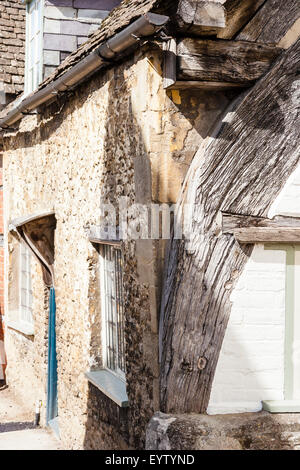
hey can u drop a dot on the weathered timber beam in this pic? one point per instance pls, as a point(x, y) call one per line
point(221, 18)
point(223, 61)
point(238, 13)
point(277, 22)
point(241, 169)
point(267, 234)
point(186, 84)
point(170, 73)
point(200, 17)
point(232, 222)
point(250, 229)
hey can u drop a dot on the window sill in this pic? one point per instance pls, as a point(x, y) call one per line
point(27, 330)
point(109, 384)
point(282, 406)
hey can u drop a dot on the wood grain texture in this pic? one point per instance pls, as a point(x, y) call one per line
point(240, 169)
point(214, 18)
point(267, 234)
point(231, 222)
point(199, 84)
point(38, 235)
point(223, 61)
point(272, 22)
point(238, 14)
point(200, 17)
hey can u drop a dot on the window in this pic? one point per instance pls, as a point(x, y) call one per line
point(20, 290)
point(25, 286)
point(34, 44)
point(112, 309)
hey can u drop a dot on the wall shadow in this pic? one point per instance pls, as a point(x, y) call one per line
point(16, 426)
point(108, 426)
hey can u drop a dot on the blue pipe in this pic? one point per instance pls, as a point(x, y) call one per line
point(52, 361)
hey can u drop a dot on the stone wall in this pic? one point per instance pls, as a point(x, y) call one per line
point(249, 431)
point(118, 135)
point(2, 351)
point(12, 49)
point(12, 46)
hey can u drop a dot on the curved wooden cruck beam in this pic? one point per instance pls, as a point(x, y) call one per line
point(240, 170)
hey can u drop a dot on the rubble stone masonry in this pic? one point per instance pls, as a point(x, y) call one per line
point(12, 55)
point(120, 134)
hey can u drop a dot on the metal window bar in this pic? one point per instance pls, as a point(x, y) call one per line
point(114, 308)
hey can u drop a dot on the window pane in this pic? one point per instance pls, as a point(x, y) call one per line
point(32, 53)
point(30, 80)
point(38, 46)
point(24, 298)
point(34, 46)
point(32, 19)
point(36, 76)
point(113, 308)
point(40, 15)
point(25, 285)
point(40, 73)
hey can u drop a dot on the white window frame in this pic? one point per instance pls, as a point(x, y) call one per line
point(34, 71)
point(25, 311)
point(22, 320)
point(108, 313)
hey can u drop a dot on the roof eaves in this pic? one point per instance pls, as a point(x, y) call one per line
point(119, 18)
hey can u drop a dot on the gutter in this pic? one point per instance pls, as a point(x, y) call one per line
point(145, 26)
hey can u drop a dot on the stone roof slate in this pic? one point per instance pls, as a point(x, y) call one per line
point(118, 19)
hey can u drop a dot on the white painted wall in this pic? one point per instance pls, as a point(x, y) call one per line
point(296, 328)
point(251, 363)
point(288, 201)
point(250, 367)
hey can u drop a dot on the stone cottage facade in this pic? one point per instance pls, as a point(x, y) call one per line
point(2, 349)
point(12, 49)
point(120, 140)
